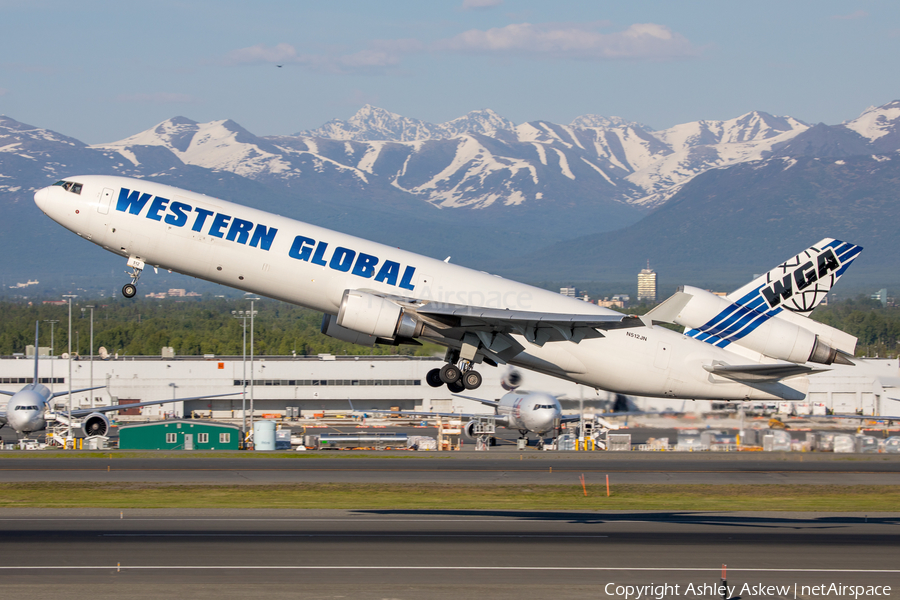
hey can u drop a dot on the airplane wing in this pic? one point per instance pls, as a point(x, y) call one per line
point(66, 392)
point(5, 393)
point(860, 417)
point(501, 419)
point(493, 403)
point(489, 328)
point(624, 413)
point(83, 412)
point(535, 326)
point(759, 373)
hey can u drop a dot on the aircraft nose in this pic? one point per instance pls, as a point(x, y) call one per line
point(41, 197)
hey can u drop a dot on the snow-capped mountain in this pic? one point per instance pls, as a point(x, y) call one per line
point(585, 121)
point(499, 179)
point(371, 123)
point(879, 124)
point(218, 145)
point(702, 145)
point(481, 159)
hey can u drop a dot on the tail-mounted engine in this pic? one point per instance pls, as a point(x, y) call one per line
point(719, 321)
point(365, 319)
point(95, 424)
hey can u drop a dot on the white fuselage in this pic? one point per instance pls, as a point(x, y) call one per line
point(536, 411)
point(25, 410)
point(303, 264)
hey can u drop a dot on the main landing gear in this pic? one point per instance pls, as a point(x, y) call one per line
point(457, 378)
point(137, 266)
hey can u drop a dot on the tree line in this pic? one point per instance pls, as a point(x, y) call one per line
point(197, 327)
point(190, 327)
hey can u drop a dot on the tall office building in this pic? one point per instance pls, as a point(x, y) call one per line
point(646, 285)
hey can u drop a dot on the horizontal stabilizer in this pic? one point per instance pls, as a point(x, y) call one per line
point(759, 373)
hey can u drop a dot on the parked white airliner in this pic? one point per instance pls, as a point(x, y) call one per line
point(756, 343)
point(527, 412)
point(29, 410)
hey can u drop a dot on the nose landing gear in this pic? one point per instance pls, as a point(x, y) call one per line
point(137, 266)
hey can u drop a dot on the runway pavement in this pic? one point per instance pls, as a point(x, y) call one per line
point(530, 467)
point(436, 554)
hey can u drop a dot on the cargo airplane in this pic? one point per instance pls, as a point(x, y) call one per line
point(29, 410)
point(756, 343)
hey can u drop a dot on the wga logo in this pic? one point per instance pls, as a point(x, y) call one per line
point(797, 283)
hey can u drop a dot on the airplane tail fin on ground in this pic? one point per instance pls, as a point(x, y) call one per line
point(801, 283)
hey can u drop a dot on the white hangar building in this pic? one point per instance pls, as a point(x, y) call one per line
point(314, 384)
point(329, 384)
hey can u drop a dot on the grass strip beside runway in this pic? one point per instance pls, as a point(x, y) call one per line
point(832, 498)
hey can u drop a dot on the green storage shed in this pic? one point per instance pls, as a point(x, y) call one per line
point(180, 434)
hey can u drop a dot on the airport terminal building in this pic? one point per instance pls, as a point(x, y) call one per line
point(313, 384)
point(328, 385)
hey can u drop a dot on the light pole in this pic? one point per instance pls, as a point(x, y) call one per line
point(242, 314)
point(92, 353)
point(252, 314)
point(69, 341)
point(174, 387)
point(52, 348)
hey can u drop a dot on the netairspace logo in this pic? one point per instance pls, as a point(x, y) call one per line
point(755, 590)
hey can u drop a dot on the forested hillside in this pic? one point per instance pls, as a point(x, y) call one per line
point(143, 327)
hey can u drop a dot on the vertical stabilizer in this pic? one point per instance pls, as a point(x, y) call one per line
point(801, 283)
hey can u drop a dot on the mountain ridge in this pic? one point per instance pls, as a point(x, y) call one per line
point(479, 195)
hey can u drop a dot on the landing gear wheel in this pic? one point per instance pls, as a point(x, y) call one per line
point(129, 290)
point(456, 387)
point(433, 378)
point(471, 380)
point(450, 374)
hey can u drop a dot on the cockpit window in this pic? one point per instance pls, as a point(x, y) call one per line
point(26, 408)
point(540, 406)
point(69, 186)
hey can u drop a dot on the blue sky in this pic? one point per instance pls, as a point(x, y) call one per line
point(100, 71)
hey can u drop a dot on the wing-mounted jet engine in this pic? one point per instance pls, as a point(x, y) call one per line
point(95, 424)
point(511, 380)
point(367, 319)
